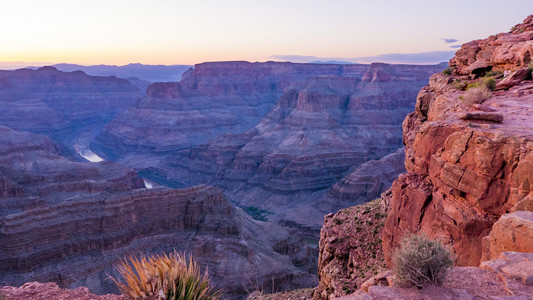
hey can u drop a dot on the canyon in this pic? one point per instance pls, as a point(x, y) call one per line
point(276, 137)
point(266, 155)
point(69, 222)
point(70, 107)
point(286, 140)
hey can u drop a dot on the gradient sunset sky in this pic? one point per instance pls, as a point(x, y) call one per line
point(187, 32)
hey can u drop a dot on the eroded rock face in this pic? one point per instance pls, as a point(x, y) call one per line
point(64, 105)
point(502, 52)
point(370, 179)
point(512, 232)
point(323, 123)
point(211, 99)
point(350, 249)
point(463, 174)
point(69, 222)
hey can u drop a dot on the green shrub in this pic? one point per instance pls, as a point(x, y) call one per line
point(169, 277)
point(489, 82)
point(420, 261)
point(494, 74)
point(459, 84)
point(447, 71)
point(530, 66)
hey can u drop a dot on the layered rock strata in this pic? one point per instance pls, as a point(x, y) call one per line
point(69, 222)
point(63, 105)
point(326, 122)
point(463, 174)
point(211, 99)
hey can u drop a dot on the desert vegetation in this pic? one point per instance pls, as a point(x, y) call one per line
point(168, 276)
point(479, 91)
point(420, 261)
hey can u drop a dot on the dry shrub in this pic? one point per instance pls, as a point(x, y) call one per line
point(420, 261)
point(169, 277)
point(476, 95)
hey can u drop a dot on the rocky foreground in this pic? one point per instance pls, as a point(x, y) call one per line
point(468, 181)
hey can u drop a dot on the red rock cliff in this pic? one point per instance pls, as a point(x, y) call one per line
point(467, 164)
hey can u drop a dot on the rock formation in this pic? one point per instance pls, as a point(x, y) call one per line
point(37, 290)
point(370, 179)
point(464, 173)
point(350, 249)
point(69, 222)
point(512, 232)
point(65, 106)
point(274, 136)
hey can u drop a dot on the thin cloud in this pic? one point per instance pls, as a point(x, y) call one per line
point(300, 58)
point(449, 41)
point(12, 65)
point(432, 57)
point(422, 58)
point(455, 46)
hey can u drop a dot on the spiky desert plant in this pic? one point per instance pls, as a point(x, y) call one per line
point(167, 276)
point(420, 261)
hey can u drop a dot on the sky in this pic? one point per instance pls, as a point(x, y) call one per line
point(119, 32)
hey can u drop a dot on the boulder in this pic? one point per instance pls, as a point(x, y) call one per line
point(512, 232)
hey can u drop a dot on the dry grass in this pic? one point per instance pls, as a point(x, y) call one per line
point(165, 276)
point(476, 95)
point(420, 261)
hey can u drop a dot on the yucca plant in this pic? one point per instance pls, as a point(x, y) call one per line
point(167, 276)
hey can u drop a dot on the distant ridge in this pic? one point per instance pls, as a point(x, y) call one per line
point(151, 73)
point(333, 62)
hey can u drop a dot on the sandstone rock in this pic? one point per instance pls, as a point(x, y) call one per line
point(523, 297)
point(432, 292)
point(37, 290)
point(462, 176)
point(354, 256)
point(527, 25)
point(384, 278)
point(482, 116)
point(512, 232)
point(359, 295)
point(522, 271)
point(505, 51)
point(513, 79)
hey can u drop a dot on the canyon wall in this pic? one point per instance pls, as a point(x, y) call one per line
point(468, 159)
point(66, 106)
point(69, 222)
point(274, 136)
